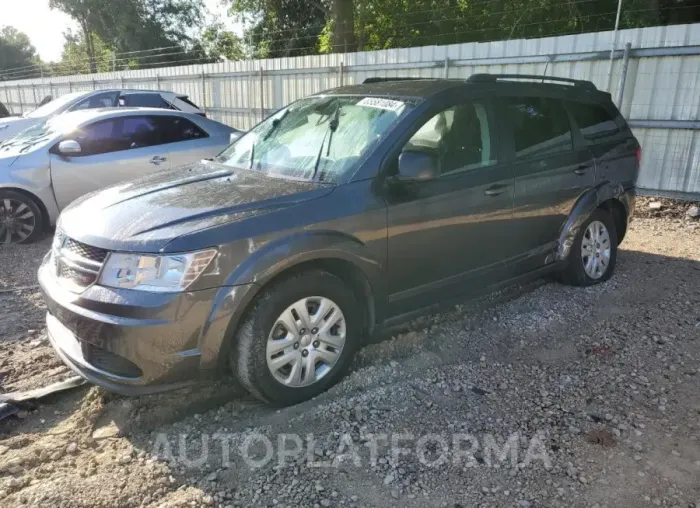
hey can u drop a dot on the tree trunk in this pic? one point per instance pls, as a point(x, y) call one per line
point(344, 26)
point(90, 47)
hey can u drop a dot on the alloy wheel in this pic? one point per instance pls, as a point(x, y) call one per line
point(595, 249)
point(17, 221)
point(306, 341)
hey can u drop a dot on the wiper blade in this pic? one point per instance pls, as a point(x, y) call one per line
point(332, 127)
point(275, 123)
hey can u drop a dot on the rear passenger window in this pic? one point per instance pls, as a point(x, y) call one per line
point(596, 122)
point(144, 100)
point(540, 126)
point(175, 129)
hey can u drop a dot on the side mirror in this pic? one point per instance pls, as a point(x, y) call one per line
point(69, 147)
point(417, 167)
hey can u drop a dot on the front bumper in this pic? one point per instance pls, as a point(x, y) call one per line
point(135, 342)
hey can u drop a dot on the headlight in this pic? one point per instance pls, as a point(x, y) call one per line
point(161, 274)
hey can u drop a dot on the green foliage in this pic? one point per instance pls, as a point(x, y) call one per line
point(220, 44)
point(135, 26)
point(15, 50)
point(280, 25)
point(76, 59)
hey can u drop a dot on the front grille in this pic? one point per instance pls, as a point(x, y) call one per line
point(81, 250)
point(77, 265)
point(80, 278)
point(109, 362)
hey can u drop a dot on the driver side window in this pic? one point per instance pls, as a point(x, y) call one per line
point(459, 138)
point(100, 100)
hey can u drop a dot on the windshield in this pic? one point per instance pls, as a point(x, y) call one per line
point(318, 138)
point(52, 107)
point(39, 134)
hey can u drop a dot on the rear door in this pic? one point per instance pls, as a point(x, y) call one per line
point(552, 168)
point(187, 142)
point(113, 150)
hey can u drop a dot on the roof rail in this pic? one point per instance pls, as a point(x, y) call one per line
point(491, 78)
point(368, 81)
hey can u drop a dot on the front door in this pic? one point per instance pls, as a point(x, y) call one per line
point(552, 170)
point(112, 151)
point(445, 234)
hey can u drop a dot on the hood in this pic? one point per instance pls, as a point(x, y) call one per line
point(146, 214)
point(11, 126)
point(6, 162)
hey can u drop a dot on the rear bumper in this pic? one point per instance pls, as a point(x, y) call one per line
point(134, 342)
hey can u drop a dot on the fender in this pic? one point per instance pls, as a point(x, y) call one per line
point(248, 278)
point(587, 203)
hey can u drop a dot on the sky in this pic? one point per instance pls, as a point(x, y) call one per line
point(45, 27)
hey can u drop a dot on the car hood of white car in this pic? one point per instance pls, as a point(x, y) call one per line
point(13, 125)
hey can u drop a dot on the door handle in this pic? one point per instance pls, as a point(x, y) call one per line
point(157, 160)
point(496, 190)
point(582, 169)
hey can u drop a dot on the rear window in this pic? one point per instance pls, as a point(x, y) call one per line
point(595, 122)
point(184, 98)
point(540, 126)
point(144, 100)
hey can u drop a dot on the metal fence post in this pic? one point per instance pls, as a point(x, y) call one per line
point(157, 81)
point(341, 73)
point(21, 106)
point(34, 94)
point(204, 93)
point(121, 81)
point(70, 86)
point(262, 95)
point(623, 74)
point(94, 85)
point(447, 68)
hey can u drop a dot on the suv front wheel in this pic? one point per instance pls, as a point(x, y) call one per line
point(298, 339)
point(594, 252)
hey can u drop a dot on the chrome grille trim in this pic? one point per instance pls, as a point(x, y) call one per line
point(77, 265)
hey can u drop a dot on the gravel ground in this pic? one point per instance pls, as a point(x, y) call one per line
point(542, 395)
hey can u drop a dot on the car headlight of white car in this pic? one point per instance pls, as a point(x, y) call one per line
point(147, 272)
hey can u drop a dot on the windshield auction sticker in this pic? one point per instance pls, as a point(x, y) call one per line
point(388, 104)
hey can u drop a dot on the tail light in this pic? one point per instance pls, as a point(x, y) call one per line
point(639, 155)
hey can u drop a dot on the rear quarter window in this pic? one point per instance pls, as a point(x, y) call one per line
point(540, 126)
point(596, 123)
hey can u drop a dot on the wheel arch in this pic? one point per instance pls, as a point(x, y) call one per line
point(609, 196)
point(45, 217)
point(346, 258)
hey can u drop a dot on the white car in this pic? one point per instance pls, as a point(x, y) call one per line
point(97, 99)
point(47, 166)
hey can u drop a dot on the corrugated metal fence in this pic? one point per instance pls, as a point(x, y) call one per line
point(657, 79)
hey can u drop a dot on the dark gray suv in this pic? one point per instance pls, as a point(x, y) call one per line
point(342, 214)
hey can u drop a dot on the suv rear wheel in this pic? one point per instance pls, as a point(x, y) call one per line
point(298, 339)
point(594, 252)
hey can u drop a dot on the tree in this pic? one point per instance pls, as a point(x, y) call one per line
point(136, 28)
point(16, 53)
point(219, 44)
point(76, 58)
point(86, 14)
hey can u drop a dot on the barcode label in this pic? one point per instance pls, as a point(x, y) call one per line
point(388, 104)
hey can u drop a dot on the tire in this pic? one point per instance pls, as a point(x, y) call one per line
point(21, 220)
point(575, 272)
point(250, 354)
